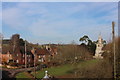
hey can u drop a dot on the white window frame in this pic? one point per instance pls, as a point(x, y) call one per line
point(17, 54)
point(23, 55)
point(17, 61)
point(29, 60)
point(44, 56)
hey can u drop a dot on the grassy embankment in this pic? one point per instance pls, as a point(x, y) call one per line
point(66, 69)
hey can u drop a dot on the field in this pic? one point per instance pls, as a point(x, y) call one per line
point(22, 75)
point(61, 71)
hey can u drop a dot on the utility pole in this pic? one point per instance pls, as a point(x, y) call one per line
point(25, 56)
point(113, 38)
point(14, 48)
point(34, 65)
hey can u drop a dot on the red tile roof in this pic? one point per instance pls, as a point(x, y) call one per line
point(42, 52)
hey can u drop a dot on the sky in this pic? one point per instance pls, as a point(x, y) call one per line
point(60, 0)
point(58, 22)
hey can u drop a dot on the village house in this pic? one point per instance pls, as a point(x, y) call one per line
point(17, 56)
point(29, 59)
point(13, 52)
point(6, 57)
point(44, 54)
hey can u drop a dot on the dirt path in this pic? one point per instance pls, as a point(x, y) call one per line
point(12, 72)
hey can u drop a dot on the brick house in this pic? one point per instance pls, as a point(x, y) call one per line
point(30, 58)
point(53, 51)
point(41, 55)
point(18, 57)
point(5, 57)
point(12, 51)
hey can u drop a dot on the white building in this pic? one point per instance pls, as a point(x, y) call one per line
point(99, 46)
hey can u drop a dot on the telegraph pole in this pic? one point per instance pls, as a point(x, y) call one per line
point(25, 56)
point(34, 65)
point(113, 38)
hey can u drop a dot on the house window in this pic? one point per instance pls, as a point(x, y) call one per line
point(43, 55)
point(41, 60)
point(17, 61)
point(56, 53)
point(7, 60)
point(39, 56)
point(29, 60)
point(23, 55)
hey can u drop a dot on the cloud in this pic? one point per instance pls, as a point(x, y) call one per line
point(21, 15)
point(60, 21)
point(13, 18)
point(54, 29)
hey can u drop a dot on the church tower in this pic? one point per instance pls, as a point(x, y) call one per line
point(99, 46)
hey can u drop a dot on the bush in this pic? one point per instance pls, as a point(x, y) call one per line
point(72, 53)
point(101, 69)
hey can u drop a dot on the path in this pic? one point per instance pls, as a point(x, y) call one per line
point(10, 73)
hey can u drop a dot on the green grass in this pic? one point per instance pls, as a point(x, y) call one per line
point(60, 70)
point(56, 71)
point(22, 75)
point(87, 63)
point(64, 69)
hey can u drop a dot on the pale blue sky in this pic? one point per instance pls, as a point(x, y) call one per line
point(58, 22)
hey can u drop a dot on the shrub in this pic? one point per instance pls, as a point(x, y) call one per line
point(101, 69)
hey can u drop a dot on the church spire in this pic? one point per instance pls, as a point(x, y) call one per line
point(99, 35)
point(100, 38)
